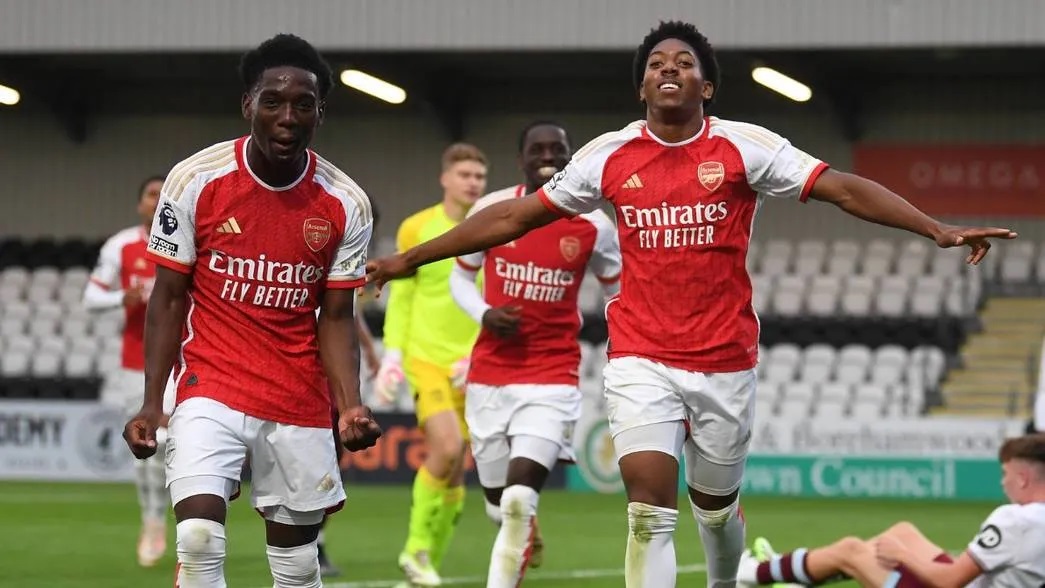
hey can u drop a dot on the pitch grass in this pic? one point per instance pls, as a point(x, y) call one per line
point(84, 535)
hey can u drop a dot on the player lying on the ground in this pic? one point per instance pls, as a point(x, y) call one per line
point(1009, 551)
point(683, 333)
point(522, 396)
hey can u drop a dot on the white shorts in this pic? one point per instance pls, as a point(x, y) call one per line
point(291, 466)
point(717, 408)
point(495, 414)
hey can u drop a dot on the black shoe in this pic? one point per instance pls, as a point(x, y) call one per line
point(326, 569)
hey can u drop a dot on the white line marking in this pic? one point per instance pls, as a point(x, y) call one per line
point(530, 578)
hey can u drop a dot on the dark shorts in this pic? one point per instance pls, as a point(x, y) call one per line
point(903, 578)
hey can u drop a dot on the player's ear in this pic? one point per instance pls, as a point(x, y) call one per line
point(247, 105)
point(322, 112)
point(707, 91)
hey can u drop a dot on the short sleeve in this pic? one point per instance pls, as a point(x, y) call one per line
point(577, 189)
point(605, 260)
point(998, 540)
point(172, 240)
point(106, 273)
point(774, 167)
point(349, 267)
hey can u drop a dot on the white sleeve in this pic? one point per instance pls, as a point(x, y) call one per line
point(1000, 536)
point(96, 297)
point(103, 290)
point(605, 260)
point(577, 188)
point(172, 240)
point(349, 267)
point(465, 292)
point(774, 166)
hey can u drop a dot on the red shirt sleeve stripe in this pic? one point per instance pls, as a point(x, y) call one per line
point(608, 279)
point(100, 284)
point(169, 263)
point(547, 202)
point(468, 266)
point(808, 187)
point(346, 284)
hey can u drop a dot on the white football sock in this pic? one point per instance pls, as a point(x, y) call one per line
point(511, 549)
point(650, 558)
point(201, 554)
point(722, 533)
point(295, 567)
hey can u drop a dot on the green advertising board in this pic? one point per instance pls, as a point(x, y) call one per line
point(830, 476)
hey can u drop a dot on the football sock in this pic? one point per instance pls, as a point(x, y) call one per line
point(427, 501)
point(444, 523)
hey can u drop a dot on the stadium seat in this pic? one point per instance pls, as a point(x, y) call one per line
point(835, 393)
point(79, 365)
point(865, 411)
point(15, 363)
point(832, 412)
point(793, 410)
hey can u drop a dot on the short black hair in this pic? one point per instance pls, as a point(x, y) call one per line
point(687, 33)
point(285, 50)
point(147, 181)
point(541, 123)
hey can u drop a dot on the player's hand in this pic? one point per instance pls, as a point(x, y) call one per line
point(384, 270)
point(503, 321)
point(389, 377)
point(134, 296)
point(358, 429)
point(140, 432)
point(889, 552)
point(459, 373)
point(977, 238)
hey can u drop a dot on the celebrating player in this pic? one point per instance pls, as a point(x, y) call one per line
point(1009, 550)
point(683, 335)
point(428, 338)
point(522, 398)
point(124, 277)
point(250, 237)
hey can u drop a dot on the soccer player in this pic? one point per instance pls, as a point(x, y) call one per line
point(683, 336)
point(522, 396)
point(123, 277)
point(428, 338)
point(1009, 550)
point(250, 237)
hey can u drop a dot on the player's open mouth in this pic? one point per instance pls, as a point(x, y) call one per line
point(669, 86)
point(547, 171)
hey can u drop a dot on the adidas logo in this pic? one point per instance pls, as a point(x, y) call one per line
point(633, 182)
point(230, 226)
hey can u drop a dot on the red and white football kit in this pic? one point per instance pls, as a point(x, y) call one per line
point(122, 265)
point(683, 335)
point(527, 384)
point(249, 378)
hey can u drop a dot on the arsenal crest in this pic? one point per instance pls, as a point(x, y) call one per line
point(570, 247)
point(710, 174)
point(317, 233)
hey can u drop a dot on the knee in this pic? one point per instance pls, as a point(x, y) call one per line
point(902, 531)
point(715, 513)
point(200, 538)
point(647, 520)
point(851, 546)
point(518, 503)
point(447, 449)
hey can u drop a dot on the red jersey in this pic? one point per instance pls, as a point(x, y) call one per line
point(684, 217)
point(541, 272)
point(260, 258)
point(122, 265)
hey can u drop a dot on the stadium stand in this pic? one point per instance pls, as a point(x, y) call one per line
point(849, 329)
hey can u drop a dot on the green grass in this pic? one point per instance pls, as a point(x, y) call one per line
point(84, 534)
